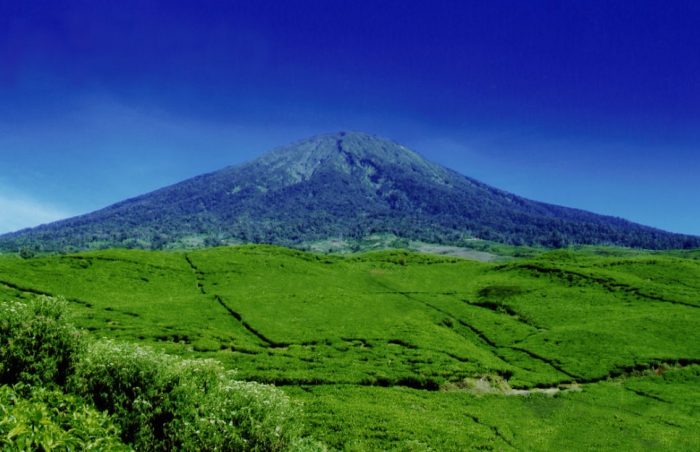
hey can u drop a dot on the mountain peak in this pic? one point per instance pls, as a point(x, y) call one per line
point(348, 152)
point(357, 144)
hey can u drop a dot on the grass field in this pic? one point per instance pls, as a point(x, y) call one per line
point(584, 349)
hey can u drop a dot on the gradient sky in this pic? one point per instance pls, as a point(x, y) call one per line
point(589, 104)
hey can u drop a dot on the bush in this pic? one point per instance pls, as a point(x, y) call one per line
point(161, 402)
point(50, 420)
point(27, 253)
point(156, 401)
point(206, 345)
point(236, 415)
point(38, 346)
point(129, 383)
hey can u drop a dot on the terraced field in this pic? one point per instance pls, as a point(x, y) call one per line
point(397, 350)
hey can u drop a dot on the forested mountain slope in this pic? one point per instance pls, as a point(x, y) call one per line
point(347, 185)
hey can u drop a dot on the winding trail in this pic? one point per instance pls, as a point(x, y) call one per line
point(31, 291)
point(488, 342)
point(610, 284)
point(620, 372)
point(199, 281)
point(495, 430)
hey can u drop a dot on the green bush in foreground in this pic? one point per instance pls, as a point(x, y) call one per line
point(163, 403)
point(38, 346)
point(49, 420)
point(152, 400)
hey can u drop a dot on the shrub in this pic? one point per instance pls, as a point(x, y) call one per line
point(236, 415)
point(129, 383)
point(156, 401)
point(27, 253)
point(37, 343)
point(161, 402)
point(50, 420)
point(206, 345)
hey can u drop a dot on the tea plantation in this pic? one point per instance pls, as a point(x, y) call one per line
point(589, 349)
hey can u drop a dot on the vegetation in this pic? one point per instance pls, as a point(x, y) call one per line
point(70, 393)
point(574, 349)
point(49, 420)
point(643, 412)
point(37, 345)
point(346, 186)
point(164, 403)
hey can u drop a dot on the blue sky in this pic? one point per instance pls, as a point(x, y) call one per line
point(589, 104)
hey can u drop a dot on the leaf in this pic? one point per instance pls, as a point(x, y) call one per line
point(18, 430)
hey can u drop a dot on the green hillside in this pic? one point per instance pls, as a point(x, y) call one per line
point(570, 350)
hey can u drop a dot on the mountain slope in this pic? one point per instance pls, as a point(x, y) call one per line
point(333, 185)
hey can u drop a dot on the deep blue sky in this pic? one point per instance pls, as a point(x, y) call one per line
point(590, 104)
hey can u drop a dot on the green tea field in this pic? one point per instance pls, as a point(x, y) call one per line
point(591, 349)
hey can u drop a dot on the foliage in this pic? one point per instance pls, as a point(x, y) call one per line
point(161, 402)
point(645, 412)
point(37, 344)
point(49, 420)
point(380, 346)
point(27, 253)
point(157, 401)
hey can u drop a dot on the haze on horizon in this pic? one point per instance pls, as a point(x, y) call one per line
point(590, 105)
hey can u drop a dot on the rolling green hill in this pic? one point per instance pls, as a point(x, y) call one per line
point(570, 350)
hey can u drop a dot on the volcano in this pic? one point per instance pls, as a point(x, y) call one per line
point(346, 184)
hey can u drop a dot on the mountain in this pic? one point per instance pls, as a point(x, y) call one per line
point(346, 184)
